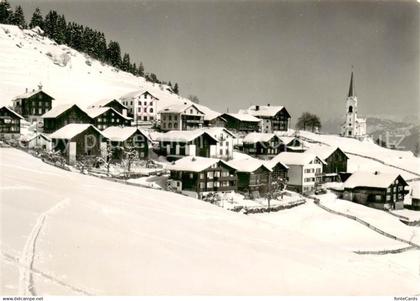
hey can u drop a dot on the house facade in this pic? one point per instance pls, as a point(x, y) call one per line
point(304, 170)
point(111, 103)
point(142, 106)
point(9, 123)
point(178, 144)
point(76, 141)
point(123, 139)
point(241, 123)
point(198, 176)
point(273, 118)
point(253, 175)
point(32, 105)
point(376, 189)
point(335, 161)
point(262, 145)
point(39, 141)
point(226, 140)
point(62, 115)
point(104, 117)
point(181, 117)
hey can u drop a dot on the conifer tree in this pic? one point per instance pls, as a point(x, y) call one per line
point(176, 88)
point(125, 66)
point(140, 71)
point(18, 17)
point(37, 19)
point(6, 12)
point(114, 54)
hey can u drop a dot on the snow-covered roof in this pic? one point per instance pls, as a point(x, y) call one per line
point(259, 137)
point(209, 114)
point(134, 94)
point(262, 111)
point(71, 130)
point(58, 110)
point(248, 164)
point(322, 151)
point(29, 94)
point(103, 102)
point(180, 108)
point(292, 158)
point(370, 179)
point(243, 117)
point(13, 112)
point(415, 188)
point(46, 137)
point(195, 164)
point(184, 136)
point(217, 131)
point(118, 133)
point(287, 139)
point(97, 111)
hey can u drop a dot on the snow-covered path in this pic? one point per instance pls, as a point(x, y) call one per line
point(117, 239)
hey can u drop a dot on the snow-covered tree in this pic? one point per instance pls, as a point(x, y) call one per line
point(125, 65)
point(113, 54)
point(141, 69)
point(176, 88)
point(37, 19)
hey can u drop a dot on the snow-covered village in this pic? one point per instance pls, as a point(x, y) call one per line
point(114, 182)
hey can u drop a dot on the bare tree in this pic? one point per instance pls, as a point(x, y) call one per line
point(194, 99)
point(275, 190)
point(308, 121)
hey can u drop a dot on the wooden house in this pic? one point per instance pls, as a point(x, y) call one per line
point(122, 139)
point(104, 117)
point(9, 123)
point(304, 172)
point(241, 123)
point(181, 117)
point(39, 141)
point(214, 121)
point(32, 105)
point(335, 161)
point(76, 141)
point(253, 175)
point(262, 145)
point(273, 118)
point(111, 103)
point(198, 176)
point(142, 106)
point(178, 144)
point(294, 144)
point(279, 171)
point(376, 189)
point(61, 115)
point(226, 140)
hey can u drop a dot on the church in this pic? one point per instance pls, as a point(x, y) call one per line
point(354, 126)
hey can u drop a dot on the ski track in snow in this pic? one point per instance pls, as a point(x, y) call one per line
point(27, 257)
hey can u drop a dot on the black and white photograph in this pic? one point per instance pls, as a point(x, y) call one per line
point(216, 148)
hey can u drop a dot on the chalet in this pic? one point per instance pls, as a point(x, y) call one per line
point(142, 106)
point(294, 144)
point(106, 116)
point(376, 189)
point(242, 123)
point(198, 176)
point(253, 175)
point(414, 201)
point(273, 118)
point(127, 138)
point(76, 141)
point(226, 141)
point(305, 170)
point(39, 141)
point(9, 123)
point(111, 103)
point(214, 121)
point(32, 105)
point(177, 144)
point(262, 145)
point(335, 161)
point(279, 171)
point(181, 117)
point(62, 115)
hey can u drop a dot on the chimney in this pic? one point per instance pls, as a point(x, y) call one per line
point(376, 173)
point(268, 105)
point(257, 108)
point(26, 90)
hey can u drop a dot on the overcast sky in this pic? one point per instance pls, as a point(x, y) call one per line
point(294, 53)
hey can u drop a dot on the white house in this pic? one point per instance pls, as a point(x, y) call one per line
point(305, 170)
point(181, 116)
point(273, 118)
point(142, 105)
point(226, 141)
point(41, 141)
point(353, 126)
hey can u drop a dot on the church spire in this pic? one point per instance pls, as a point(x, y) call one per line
point(351, 89)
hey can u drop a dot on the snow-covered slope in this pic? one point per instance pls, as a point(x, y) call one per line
point(28, 59)
point(67, 233)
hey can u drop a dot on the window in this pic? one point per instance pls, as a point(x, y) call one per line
point(388, 197)
point(191, 175)
point(225, 174)
point(350, 109)
point(378, 197)
point(151, 110)
point(169, 125)
point(209, 184)
point(221, 152)
point(145, 103)
point(210, 174)
point(216, 184)
point(202, 185)
point(191, 111)
point(217, 174)
point(201, 176)
point(151, 103)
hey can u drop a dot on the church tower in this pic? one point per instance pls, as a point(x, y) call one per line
point(353, 126)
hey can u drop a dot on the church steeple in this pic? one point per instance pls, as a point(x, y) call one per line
point(351, 89)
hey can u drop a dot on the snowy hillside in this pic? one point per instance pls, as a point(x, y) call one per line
point(80, 235)
point(27, 59)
